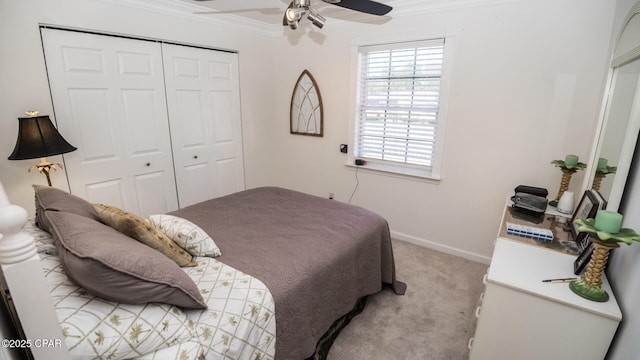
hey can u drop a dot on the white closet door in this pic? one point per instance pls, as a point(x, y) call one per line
point(203, 98)
point(108, 95)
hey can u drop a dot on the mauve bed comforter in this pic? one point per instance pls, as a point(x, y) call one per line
point(317, 256)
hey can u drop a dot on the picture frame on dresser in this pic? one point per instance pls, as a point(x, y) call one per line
point(587, 208)
point(586, 246)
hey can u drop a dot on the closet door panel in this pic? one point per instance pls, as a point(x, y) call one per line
point(140, 122)
point(96, 137)
point(107, 192)
point(203, 100)
point(193, 131)
point(149, 189)
point(108, 93)
point(227, 176)
point(196, 177)
point(222, 115)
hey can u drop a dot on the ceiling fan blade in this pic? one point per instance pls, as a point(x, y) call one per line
point(365, 6)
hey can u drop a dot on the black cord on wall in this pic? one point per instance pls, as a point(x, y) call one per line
point(356, 187)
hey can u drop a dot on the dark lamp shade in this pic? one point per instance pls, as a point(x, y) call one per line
point(37, 137)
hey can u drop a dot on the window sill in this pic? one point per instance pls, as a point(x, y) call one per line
point(396, 172)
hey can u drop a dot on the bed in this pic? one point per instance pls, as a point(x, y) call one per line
point(286, 268)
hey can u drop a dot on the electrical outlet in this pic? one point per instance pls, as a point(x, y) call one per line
point(331, 196)
point(344, 148)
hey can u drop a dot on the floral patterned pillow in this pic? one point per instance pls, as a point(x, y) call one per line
point(186, 234)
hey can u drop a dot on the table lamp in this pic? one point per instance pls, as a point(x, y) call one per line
point(38, 138)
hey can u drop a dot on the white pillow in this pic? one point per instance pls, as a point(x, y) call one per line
point(186, 234)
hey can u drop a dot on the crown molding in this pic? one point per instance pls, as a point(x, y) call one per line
point(418, 7)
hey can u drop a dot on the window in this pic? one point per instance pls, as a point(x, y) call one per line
point(398, 115)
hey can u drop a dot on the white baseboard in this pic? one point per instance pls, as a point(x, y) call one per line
point(440, 247)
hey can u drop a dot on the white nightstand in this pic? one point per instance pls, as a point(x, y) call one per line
point(520, 317)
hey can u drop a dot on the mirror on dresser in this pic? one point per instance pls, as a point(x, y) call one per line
point(618, 133)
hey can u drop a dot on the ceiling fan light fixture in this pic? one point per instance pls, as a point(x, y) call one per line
point(316, 19)
point(293, 15)
point(297, 9)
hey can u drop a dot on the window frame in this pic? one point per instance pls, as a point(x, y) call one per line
point(433, 173)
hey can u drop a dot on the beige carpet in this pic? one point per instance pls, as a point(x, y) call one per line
point(433, 320)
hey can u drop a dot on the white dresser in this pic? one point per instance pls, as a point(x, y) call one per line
point(520, 317)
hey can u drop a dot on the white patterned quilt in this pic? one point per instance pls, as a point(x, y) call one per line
point(239, 323)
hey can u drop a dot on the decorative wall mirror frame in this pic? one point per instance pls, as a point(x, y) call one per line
point(306, 107)
point(620, 122)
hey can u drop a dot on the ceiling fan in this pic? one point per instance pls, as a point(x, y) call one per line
point(299, 8)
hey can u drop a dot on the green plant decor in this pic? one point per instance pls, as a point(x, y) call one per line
point(567, 171)
point(607, 170)
point(573, 168)
point(601, 174)
point(589, 286)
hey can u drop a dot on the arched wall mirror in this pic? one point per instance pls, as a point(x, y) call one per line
point(620, 126)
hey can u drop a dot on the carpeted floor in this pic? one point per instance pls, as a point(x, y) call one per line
point(433, 320)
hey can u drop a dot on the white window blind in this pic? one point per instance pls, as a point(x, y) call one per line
point(399, 102)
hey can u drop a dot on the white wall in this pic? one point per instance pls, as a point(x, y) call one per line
point(24, 81)
point(527, 88)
